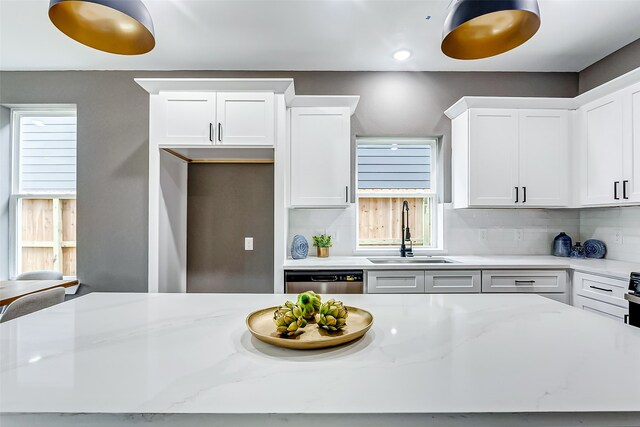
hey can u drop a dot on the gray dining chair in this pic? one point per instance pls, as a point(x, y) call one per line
point(32, 302)
point(40, 275)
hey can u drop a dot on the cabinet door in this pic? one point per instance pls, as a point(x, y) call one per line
point(600, 288)
point(493, 157)
point(320, 157)
point(182, 118)
point(600, 308)
point(245, 118)
point(544, 158)
point(631, 180)
point(395, 282)
point(601, 151)
point(450, 282)
point(528, 281)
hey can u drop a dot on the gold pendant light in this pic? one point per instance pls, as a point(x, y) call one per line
point(115, 26)
point(476, 29)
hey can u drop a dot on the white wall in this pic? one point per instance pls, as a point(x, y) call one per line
point(605, 223)
point(464, 230)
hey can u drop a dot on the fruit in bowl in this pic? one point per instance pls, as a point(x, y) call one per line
point(288, 319)
point(332, 316)
point(310, 303)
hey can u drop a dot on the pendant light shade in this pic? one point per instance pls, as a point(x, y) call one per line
point(476, 29)
point(115, 26)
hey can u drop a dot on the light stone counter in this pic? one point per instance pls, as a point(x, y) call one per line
point(443, 360)
point(612, 268)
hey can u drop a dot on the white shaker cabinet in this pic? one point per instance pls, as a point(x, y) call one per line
point(544, 158)
point(511, 158)
point(493, 157)
point(631, 147)
point(245, 118)
point(182, 118)
point(601, 148)
point(320, 156)
point(395, 282)
point(212, 118)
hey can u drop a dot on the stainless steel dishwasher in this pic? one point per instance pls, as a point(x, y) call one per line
point(324, 281)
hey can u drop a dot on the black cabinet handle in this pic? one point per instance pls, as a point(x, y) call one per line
point(601, 289)
point(220, 132)
point(211, 132)
point(524, 195)
point(615, 190)
point(517, 193)
point(522, 282)
point(346, 194)
point(624, 189)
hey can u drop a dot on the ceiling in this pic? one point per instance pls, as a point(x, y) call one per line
point(316, 35)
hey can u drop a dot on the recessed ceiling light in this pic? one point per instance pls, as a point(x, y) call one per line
point(402, 55)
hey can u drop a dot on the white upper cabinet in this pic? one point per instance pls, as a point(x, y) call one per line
point(511, 158)
point(544, 158)
point(208, 118)
point(493, 157)
point(601, 151)
point(245, 118)
point(320, 156)
point(631, 147)
point(182, 118)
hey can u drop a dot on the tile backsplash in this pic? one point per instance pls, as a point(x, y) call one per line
point(466, 231)
point(618, 228)
point(506, 231)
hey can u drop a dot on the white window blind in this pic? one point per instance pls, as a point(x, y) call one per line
point(47, 160)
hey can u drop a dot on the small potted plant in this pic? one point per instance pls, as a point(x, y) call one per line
point(322, 243)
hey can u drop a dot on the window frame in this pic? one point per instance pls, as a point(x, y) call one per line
point(16, 195)
point(433, 194)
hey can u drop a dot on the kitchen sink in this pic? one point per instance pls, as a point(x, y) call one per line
point(415, 260)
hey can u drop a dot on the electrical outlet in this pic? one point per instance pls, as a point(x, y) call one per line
point(618, 237)
point(483, 235)
point(248, 243)
point(334, 236)
point(519, 236)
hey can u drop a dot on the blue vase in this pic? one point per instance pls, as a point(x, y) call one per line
point(577, 251)
point(562, 245)
point(299, 247)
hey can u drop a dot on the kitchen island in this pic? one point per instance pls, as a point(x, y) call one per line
point(443, 360)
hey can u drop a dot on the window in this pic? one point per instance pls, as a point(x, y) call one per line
point(391, 170)
point(43, 199)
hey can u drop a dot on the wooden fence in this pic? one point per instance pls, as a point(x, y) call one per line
point(380, 221)
point(48, 235)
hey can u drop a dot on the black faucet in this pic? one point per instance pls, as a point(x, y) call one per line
point(406, 234)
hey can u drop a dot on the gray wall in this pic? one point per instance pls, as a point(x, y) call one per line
point(225, 204)
point(618, 63)
point(113, 137)
point(5, 190)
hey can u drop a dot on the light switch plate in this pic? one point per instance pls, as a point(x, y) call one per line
point(248, 243)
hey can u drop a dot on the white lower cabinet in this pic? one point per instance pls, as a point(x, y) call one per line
point(601, 308)
point(600, 295)
point(448, 282)
point(421, 281)
point(395, 282)
point(528, 281)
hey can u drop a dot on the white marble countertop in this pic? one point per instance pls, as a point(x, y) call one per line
point(426, 354)
point(618, 269)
